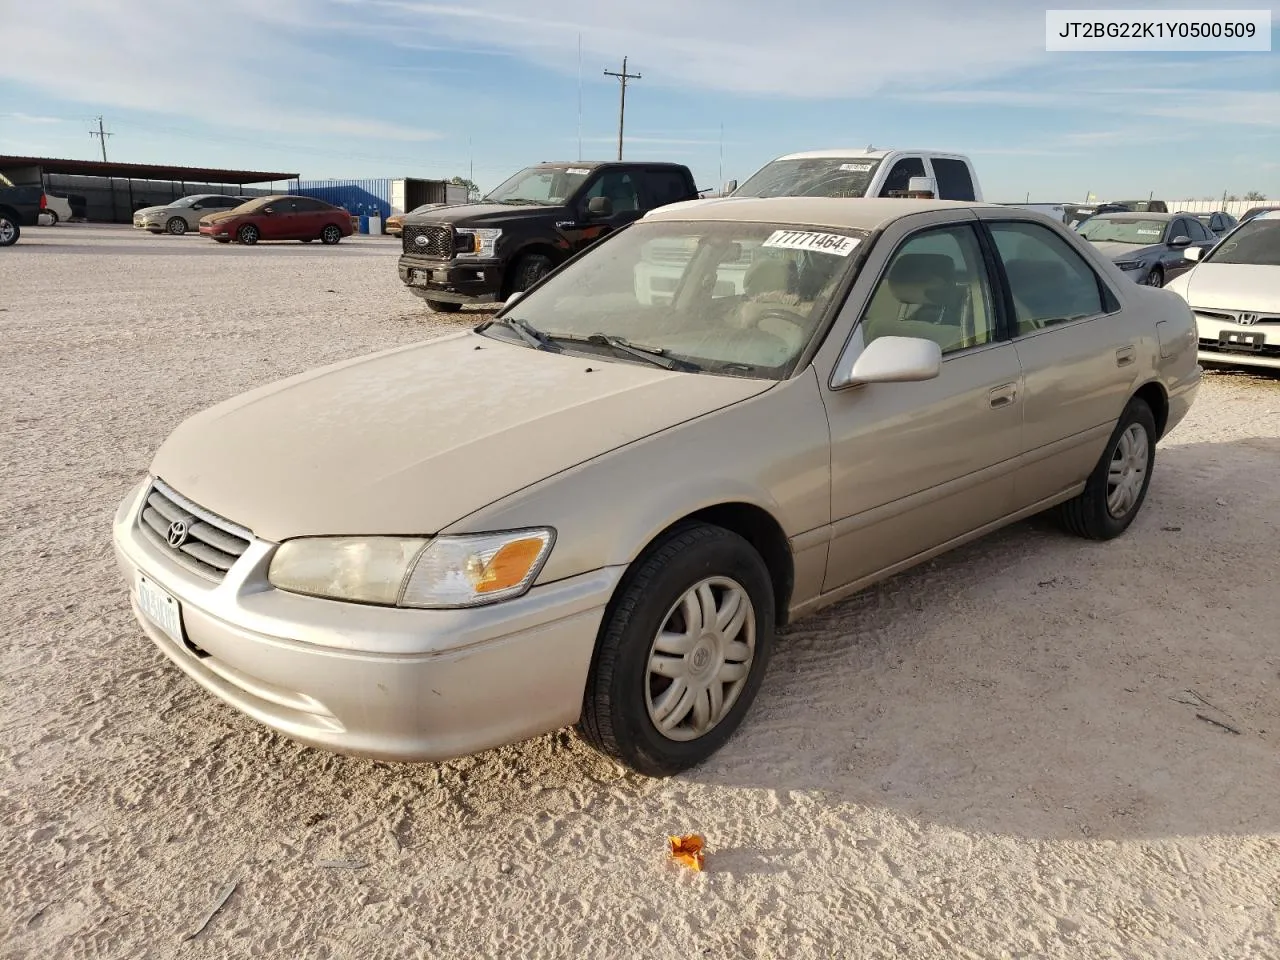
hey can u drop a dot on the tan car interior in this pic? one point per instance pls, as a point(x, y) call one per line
point(924, 295)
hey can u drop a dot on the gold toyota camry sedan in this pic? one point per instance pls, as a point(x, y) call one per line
point(598, 507)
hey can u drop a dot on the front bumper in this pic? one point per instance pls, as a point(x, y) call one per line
point(1223, 341)
point(380, 682)
point(214, 230)
point(153, 225)
point(470, 280)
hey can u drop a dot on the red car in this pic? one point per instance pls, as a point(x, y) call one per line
point(279, 218)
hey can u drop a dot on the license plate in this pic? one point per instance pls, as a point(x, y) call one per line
point(160, 608)
point(1236, 340)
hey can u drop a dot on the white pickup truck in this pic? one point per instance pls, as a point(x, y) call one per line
point(862, 173)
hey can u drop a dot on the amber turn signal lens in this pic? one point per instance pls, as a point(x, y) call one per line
point(509, 565)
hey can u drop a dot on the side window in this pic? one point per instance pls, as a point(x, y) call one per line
point(954, 182)
point(1200, 232)
point(284, 205)
point(935, 287)
point(1050, 282)
point(901, 174)
point(220, 203)
point(619, 186)
point(666, 186)
point(308, 205)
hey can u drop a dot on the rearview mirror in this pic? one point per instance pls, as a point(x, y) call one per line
point(892, 360)
point(1192, 253)
point(600, 207)
point(1180, 241)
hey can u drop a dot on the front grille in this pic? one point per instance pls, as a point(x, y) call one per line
point(436, 241)
point(199, 540)
point(1265, 349)
point(1228, 317)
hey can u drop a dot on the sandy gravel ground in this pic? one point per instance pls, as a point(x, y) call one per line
point(1006, 753)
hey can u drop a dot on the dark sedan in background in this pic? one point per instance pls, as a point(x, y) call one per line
point(1218, 222)
point(1149, 247)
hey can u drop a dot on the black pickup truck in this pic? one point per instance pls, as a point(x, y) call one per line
point(484, 252)
point(19, 207)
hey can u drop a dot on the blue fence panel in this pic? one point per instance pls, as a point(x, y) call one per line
point(358, 196)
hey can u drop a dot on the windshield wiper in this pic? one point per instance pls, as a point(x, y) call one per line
point(528, 333)
point(655, 355)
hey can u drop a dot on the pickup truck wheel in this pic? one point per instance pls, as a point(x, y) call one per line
point(10, 231)
point(530, 268)
point(176, 226)
point(1118, 485)
point(682, 652)
point(248, 234)
point(443, 306)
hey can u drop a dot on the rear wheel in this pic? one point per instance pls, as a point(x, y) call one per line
point(443, 306)
point(1118, 485)
point(53, 217)
point(176, 226)
point(248, 234)
point(330, 234)
point(529, 269)
point(682, 652)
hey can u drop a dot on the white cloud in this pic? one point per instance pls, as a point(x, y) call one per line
point(28, 118)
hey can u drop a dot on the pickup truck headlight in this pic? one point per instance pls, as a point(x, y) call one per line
point(480, 242)
point(462, 571)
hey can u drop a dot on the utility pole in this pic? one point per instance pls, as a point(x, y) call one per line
point(622, 106)
point(102, 135)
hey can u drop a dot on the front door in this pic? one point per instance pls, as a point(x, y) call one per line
point(917, 465)
point(622, 188)
point(280, 222)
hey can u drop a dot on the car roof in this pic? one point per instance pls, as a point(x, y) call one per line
point(592, 164)
point(1138, 215)
point(856, 214)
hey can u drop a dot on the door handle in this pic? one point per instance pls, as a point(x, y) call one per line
point(1126, 356)
point(1003, 395)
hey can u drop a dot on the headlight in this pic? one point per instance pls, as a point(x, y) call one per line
point(463, 571)
point(1130, 264)
point(478, 243)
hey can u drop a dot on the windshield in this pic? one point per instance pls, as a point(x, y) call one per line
point(545, 185)
point(742, 299)
point(1123, 230)
point(186, 201)
point(249, 206)
point(820, 177)
point(1257, 242)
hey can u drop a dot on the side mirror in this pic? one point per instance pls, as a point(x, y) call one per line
point(1180, 241)
point(1192, 253)
point(268, 209)
point(600, 207)
point(892, 360)
point(728, 188)
point(922, 185)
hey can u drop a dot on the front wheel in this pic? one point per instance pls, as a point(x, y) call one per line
point(248, 235)
point(1156, 277)
point(10, 231)
point(330, 234)
point(682, 652)
point(1118, 485)
point(176, 226)
point(529, 269)
point(444, 306)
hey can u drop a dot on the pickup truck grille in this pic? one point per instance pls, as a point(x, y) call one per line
point(428, 240)
point(197, 539)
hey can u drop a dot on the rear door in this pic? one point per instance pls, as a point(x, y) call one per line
point(1078, 356)
point(663, 185)
point(953, 179)
point(310, 218)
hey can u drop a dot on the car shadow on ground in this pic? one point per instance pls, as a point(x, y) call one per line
point(1042, 686)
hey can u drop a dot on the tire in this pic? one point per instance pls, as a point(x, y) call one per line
point(10, 230)
point(624, 697)
point(176, 227)
point(1091, 514)
point(529, 269)
point(223, 239)
point(331, 234)
point(443, 306)
point(1155, 278)
point(53, 217)
point(248, 234)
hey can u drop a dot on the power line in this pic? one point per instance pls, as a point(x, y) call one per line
point(622, 106)
point(102, 135)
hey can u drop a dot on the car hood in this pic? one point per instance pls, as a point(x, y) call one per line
point(1234, 286)
point(1125, 251)
point(219, 217)
point(147, 210)
point(413, 439)
point(479, 214)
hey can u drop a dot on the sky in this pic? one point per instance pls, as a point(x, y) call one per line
point(479, 89)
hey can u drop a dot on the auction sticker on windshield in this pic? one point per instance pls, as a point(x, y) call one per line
point(832, 243)
point(855, 167)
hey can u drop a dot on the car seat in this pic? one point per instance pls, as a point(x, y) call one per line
point(919, 298)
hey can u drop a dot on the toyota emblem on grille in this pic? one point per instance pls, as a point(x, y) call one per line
point(421, 240)
point(1248, 319)
point(177, 534)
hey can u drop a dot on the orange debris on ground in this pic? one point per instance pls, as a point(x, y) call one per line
point(687, 850)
